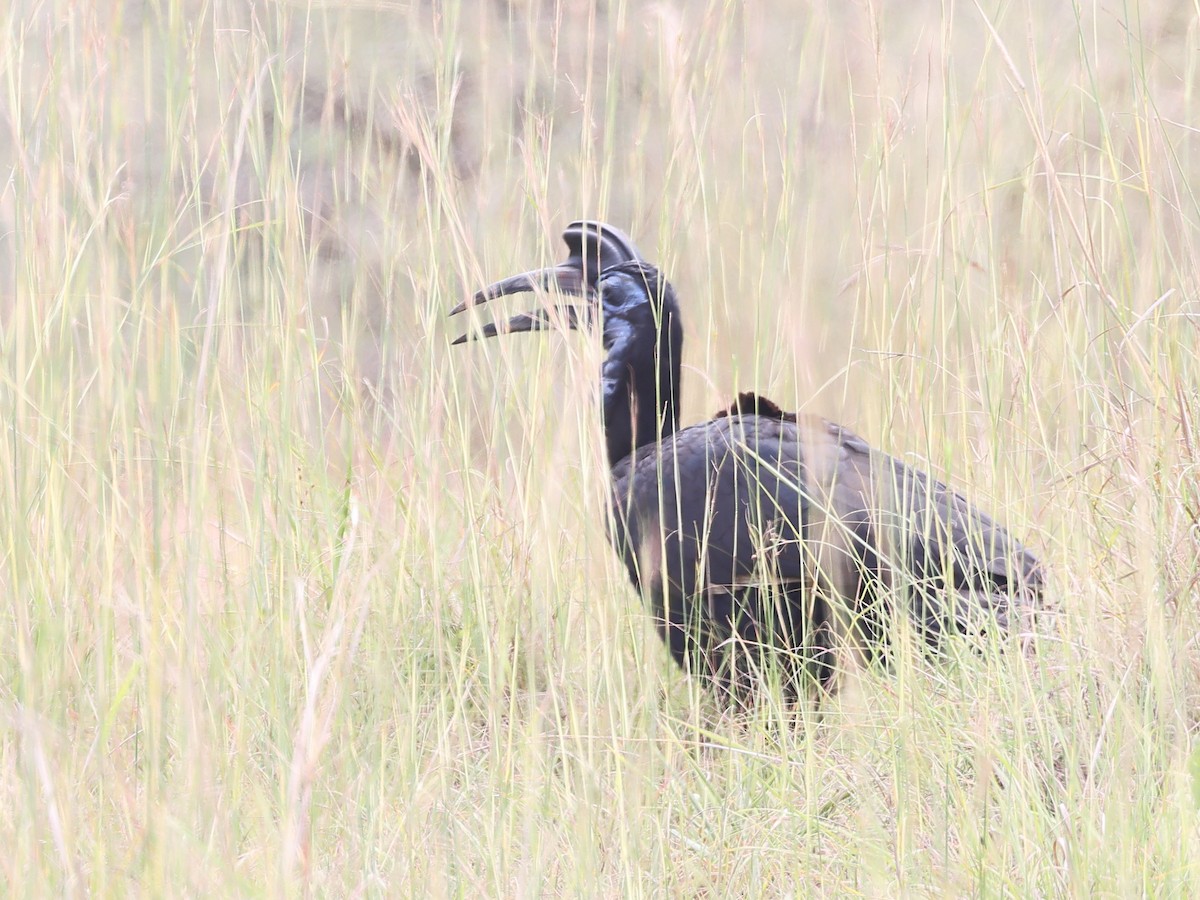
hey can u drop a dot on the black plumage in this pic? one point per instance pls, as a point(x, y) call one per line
point(765, 542)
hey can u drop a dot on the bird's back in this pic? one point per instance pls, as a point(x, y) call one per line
point(759, 496)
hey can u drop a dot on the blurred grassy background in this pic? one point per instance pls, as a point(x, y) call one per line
point(302, 600)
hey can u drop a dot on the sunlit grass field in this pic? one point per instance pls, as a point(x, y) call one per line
point(298, 599)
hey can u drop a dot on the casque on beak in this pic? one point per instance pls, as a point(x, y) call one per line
point(593, 246)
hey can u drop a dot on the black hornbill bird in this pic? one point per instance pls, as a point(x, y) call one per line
point(764, 541)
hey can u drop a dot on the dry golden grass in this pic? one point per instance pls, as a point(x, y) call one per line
point(301, 600)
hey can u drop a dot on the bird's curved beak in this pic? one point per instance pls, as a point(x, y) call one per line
point(593, 246)
point(566, 279)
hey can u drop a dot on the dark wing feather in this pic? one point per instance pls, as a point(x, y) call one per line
point(917, 538)
point(715, 528)
point(789, 514)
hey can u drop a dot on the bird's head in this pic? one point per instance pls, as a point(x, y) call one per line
point(604, 268)
point(636, 298)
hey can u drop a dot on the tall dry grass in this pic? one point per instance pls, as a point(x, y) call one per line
point(299, 599)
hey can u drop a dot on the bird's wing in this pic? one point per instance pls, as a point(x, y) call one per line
point(710, 525)
point(719, 503)
point(761, 494)
point(924, 525)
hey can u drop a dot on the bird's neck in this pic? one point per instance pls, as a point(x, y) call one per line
point(640, 384)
